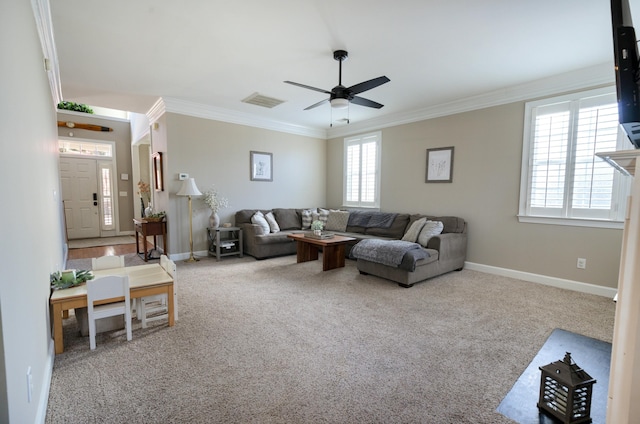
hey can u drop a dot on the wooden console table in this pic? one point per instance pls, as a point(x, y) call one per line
point(154, 229)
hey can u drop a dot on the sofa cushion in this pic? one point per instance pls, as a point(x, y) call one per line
point(429, 229)
point(452, 224)
point(271, 220)
point(259, 219)
point(414, 230)
point(337, 220)
point(287, 219)
point(244, 216)
point(395, 231)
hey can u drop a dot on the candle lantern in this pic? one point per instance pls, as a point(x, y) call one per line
point(565, 391)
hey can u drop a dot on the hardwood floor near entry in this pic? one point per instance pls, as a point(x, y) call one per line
point(94, 252)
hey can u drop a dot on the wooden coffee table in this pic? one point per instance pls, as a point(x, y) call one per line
point(332, 250)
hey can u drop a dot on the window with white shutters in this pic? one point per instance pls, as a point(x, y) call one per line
point(562, 178)
point(362, 170)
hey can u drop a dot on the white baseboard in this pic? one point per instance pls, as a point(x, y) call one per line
point(41, 415)
point(544, 279)
point(184, 256)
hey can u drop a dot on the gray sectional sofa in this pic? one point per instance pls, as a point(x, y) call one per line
point(445, 252)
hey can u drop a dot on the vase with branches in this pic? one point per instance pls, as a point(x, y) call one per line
point(215, 202)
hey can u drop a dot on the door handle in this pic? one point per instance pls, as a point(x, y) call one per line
point(95, 199)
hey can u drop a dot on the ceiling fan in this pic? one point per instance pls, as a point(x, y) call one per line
point(89, 127)
point(340, 96)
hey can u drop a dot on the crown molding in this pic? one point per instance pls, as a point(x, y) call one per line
point(598, 75)
point(218, 114)
point(156, 111)
point(42, 15)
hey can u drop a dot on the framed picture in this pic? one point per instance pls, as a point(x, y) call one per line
point(157, 171)
point(261, 166)
point(440, 165)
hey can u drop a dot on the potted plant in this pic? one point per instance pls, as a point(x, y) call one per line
point(317, 227)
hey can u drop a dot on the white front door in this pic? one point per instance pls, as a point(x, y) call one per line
point(79, 182)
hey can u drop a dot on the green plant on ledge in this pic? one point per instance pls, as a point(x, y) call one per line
point(76, 107)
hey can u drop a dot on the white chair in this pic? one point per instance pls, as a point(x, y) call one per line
point(108, 287)
point(155, 307)
point(107, 262)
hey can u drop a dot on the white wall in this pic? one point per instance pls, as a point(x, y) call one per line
point(32, 239)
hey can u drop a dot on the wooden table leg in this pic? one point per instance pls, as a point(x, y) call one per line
point(333, 257)
point(306, 252)
point(170, 306)
point(57, 328)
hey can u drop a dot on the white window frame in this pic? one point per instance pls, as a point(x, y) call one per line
point(361, 140)
point(610, 218)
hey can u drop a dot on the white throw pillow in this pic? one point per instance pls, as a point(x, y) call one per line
point(337, 220)
point(414, 230)
point(306, 218)
point(258, 218)
point(430, 229)
point(271, 220)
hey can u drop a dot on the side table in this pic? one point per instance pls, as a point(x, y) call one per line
point(146, 228)
point(225, 241)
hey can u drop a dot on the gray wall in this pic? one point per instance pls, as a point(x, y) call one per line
point(217, 153)
point(485, 192)
point(31, 216)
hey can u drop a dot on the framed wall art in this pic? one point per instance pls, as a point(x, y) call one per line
point(157, 171)
point(440, 165)
point(261, 166)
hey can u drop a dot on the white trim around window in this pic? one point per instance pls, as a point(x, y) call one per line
point(361, 174)
point(562, 181)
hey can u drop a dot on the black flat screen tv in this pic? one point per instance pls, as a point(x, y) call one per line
point(625, 48)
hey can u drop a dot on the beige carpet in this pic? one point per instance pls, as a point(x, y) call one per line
point(278, 342)
point(102, 241)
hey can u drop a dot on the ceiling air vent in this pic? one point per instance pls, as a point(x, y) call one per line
point(264, 101)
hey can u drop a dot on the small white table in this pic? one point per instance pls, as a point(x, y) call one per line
point(144, 280)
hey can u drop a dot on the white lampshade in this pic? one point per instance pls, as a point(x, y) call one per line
point(189, 188)
point(339, 103)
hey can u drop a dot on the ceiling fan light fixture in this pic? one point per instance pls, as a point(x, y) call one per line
point(339, 103)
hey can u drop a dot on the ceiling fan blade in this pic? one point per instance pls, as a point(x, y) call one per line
point(368, 85)
point(89, 127)
point(366, 102)
point(308, 87)
point(316, 104)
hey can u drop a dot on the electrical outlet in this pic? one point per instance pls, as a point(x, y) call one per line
point(582, 263)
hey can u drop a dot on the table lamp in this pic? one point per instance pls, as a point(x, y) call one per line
point(189, 189)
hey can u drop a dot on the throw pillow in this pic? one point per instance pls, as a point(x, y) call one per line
point(259, 219)
point(321, 215)
point(287, 219)
point(414, 230)
point(306, 218)
point(430, 229)
point(337, 220)
point(271, 220)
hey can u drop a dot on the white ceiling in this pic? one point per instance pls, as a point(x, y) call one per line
point(125, 54)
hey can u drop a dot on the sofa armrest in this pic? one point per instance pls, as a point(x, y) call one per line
point(249, 234)
point(449, 245)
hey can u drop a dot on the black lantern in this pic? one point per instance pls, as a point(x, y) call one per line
point(565, 391)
